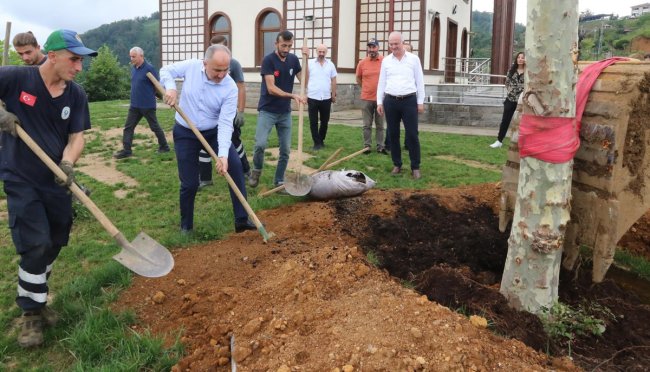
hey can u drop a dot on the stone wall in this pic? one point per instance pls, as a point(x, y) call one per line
point(483, 115)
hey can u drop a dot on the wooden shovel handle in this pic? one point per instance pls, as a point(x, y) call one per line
point(99, 215)
point(301, 108)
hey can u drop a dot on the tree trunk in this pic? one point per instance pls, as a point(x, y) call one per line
point(542, 209)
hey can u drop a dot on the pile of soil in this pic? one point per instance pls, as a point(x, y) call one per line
point(309, 300)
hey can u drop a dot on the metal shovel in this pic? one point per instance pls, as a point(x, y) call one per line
point(144, 256)
point(298, 184)
point(265, 236)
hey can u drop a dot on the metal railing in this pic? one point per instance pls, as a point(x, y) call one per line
point(467, 81)
point(466, 94)
point(468, 71)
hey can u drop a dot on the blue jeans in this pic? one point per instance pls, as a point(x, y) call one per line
point(405, 110)
point(265, 122)
point(187, 148)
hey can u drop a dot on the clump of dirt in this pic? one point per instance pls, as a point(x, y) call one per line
point(310, 301)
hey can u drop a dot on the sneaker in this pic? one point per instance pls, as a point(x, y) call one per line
point(497, 144)
point(31, 330)
point(254, 179)
point(382, 151)
point(367, 152)
point(49, 316)
point(122, 154)
point(162, 150)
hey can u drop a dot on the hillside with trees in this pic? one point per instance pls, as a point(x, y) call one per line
point(611, 36)
point(482, 38)
point(601, 36)
point(122, 35)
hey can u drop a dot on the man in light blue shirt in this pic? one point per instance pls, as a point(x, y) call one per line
point(209, 99)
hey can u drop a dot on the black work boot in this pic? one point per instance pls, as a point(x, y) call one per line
point(254, 179)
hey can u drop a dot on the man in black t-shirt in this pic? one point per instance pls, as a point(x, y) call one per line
point(53, 110)
point(278, 71)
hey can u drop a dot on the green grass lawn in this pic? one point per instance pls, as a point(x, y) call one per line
point(86, 280)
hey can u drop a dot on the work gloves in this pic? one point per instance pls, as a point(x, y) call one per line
point(239, 120)
point(8, 121)
point(68, 169)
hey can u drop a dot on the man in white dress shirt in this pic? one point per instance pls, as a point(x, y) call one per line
point(400, 95)
point(321, 94)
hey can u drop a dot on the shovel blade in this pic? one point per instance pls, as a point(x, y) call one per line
point(298, 184)
point(146, 257)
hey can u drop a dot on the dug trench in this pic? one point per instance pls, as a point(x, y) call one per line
point(311, 300)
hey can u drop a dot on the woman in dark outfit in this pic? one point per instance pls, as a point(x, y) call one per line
point(514, 86)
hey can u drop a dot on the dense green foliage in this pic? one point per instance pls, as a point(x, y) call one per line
point(105, 79)
point(122, 35)
point(13, 56)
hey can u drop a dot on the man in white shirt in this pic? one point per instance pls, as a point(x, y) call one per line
point(400, 95)
point(321, 94)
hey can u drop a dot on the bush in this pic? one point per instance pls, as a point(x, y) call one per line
point(106, 79)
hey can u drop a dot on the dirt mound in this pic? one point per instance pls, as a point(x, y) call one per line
point(310, 301)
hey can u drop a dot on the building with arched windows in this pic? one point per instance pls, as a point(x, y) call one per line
point(438, 31)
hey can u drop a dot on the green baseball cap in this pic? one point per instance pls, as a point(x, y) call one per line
point(67, 39)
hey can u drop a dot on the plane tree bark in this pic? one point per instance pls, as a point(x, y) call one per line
point(542, 210)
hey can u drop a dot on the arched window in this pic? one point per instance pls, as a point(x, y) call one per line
point(220, 26)
point(268, 25)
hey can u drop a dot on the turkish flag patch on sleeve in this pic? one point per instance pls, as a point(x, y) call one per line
point(27, 99)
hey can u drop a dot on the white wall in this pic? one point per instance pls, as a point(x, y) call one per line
point(242, 14)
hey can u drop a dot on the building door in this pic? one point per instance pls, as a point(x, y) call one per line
point(434, 62)
point(452, 43)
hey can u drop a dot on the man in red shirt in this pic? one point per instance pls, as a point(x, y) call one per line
point(367, 78)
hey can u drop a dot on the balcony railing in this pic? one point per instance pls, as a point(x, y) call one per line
point(468, 71)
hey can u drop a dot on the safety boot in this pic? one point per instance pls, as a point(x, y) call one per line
point(254, 179)
point(31, 329)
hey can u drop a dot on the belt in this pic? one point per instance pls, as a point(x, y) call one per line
point(401, 97)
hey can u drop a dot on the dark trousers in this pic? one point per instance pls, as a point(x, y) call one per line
point(406, 110)
point(316, 108)
point(40, 223)
point(509, 109)
point(132, 120)
point(187, 148)
point(205, 161)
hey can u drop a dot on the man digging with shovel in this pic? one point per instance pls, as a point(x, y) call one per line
point(53, 110)
point(209, 98)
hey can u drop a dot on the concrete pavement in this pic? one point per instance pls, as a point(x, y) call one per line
point(353, 118)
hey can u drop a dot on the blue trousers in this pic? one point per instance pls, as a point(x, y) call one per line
point(282, 123)
point(205, 160)
point(406, 110)
point(40, 222)
point(187, 148)
point(132, 120)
